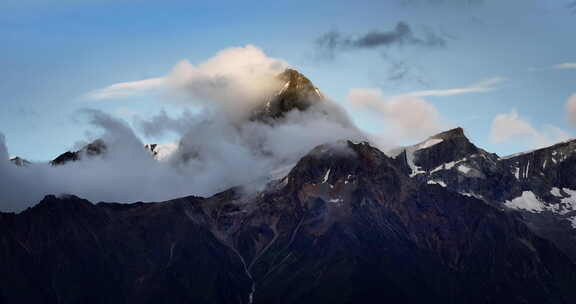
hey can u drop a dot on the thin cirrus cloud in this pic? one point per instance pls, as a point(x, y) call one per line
point(127, 89)
point(483, 86)
point(565, 66)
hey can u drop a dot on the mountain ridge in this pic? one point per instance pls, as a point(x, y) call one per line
point(345, 216)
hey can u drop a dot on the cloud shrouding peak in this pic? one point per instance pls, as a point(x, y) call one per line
point(411, 117)
point(511, 127)
point(402, 34)
point(233, 79)
point(214, 150)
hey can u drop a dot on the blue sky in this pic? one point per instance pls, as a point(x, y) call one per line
point(52, 53)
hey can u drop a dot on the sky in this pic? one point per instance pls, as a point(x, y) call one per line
point(505, 71)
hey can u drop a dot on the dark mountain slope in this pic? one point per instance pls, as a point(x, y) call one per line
point(346, 225)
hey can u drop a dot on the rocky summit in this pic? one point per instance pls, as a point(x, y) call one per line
point(295, 93)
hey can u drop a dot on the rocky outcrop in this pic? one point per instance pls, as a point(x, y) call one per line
point(20, 162)
point(296, 93)
point(95, 148)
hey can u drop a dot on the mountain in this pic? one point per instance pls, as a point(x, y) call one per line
point(296, 93)
point(539, 185)
point(99, 148)
point(347, 224)
point(20, 162)
point(95, 148)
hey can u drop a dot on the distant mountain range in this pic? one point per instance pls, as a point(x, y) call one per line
point(442, 221)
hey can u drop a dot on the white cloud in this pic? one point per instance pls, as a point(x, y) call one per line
point(127, 89)
point(571, 108)
point(233, 79)
point(511, 127)
point(565, 66)
point(410, 116)
point(483, 86)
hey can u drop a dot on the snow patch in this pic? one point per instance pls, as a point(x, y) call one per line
point(410, 160)
point(326, 176)
point(164, 151)
point(283, 88)
point(429, 143)
point(437, 182)
point(447, 166)
point(474, 195)
point(464, 169)
point(527, 201)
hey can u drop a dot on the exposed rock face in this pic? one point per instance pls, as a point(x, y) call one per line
point(537, 184)
point(297, 93)
point(347, 225)
point(95, 148)
point(20, 162)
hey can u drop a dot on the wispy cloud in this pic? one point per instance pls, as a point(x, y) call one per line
point(483, 86)
point(127, 89)
point(565, 66)
point(402, 34)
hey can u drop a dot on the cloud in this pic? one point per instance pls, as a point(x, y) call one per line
point(442, 2)
point(511, 127)
point(234, 79)
point(127, 89)
point(162, 123)
point(213, 153)
point(410, 116)
point(483, 86)
point(571, 108)
point(565, 66)
point(572, 6)
point(401, 35)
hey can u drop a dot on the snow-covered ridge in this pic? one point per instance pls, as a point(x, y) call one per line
point(429, 143)
point(557, 145)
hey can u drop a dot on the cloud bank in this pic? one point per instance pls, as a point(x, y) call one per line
point(213, 154)
point(410, 117)
point(511, 127)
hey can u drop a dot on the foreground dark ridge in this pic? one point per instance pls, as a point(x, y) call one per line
point(347, 225)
